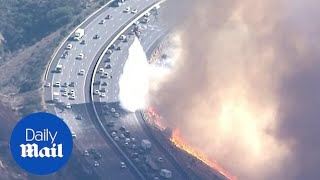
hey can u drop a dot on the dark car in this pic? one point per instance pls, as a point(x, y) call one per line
point(108, 16)
point(83, 42)
point(96, 36)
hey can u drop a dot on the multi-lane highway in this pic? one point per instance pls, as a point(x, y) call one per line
point(152, 34)
point(106, 161)
point(85, 94)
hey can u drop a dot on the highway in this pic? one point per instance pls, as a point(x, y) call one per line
point(152, 33)
point(87, 134)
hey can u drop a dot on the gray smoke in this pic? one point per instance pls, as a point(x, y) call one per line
point(246, 89)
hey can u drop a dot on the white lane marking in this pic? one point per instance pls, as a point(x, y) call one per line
point(90, 51)
point(113, 25)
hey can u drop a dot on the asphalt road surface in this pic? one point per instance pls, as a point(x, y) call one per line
point(88, 136)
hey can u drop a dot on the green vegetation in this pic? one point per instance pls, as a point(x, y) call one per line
point(24, 22)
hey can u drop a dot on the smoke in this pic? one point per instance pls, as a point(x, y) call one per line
point(138, 79)
point(245, 88)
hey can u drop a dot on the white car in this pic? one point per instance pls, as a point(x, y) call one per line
point(134, 11)
point(72, 97)
point(145, 20)
point(116, 115)
point(122, 37)
point(103, 95)
point(72, 91)
point(68, 106)
point(147, 14)
point(123, 165)
point(47, 84)
point(64, 90)
point(96, 92)
point(65, 94)
point(102, 21)
point(113, 110)
point(109, 51)
point(101, 70)
point(80, 56)
point(113, 134)
point(136, 23)
point(96, 164)
point(69, 46)
point(81, 72)
point(127, 9)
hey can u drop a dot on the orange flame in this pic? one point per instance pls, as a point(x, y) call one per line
point(156, 118)
point(180, 143)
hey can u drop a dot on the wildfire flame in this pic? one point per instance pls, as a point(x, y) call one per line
point(180, 143)
point(156, 118)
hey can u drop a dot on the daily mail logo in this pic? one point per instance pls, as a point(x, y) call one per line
point(41, 143)
point(32, 150)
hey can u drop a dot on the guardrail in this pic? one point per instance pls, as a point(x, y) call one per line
point(118, 34)
point(66, 39)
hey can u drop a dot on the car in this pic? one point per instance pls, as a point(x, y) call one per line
point(108, 16)
point(134, 146)
point(96, 164)
point(134, 11)
point(126, 144)
point(136, 23)
point(116, 115)
point(147, 14)
point(68, 106)
point(108, 66)
point(72, 91)
point(116, 138)
point(113, 134)
point(145, 20)
point(78, 117)
point(96, 92)
point(127, 140)
point(102, 95)
point(47, 84)
point(102, 21)
point(118, 48)
point(96, 83)
point(80, 56)
point(113, 110)
point(123, 165)
point(81, 72)
point(127, 10)
point(63, 56)
point(122, 128)
point(160, 159)
point(72, 84)
point(112, 46)
point(96, 36)
point(66, 52)
point(110, 123)
point(122, 37)
point(97, 156)
point(65, 84)
point(69, 46)
point(86, 153)
point(101, 70)
point(65, 94)
point(135, 155)
point(105, 75)
point(83, 42)
point(72, 97)
point(57, 84)
point(122, 136)
point(109, 51)
point(107, 60)
point(133, 140)
point(64, 90)
point(104, 84)
point(127, 133)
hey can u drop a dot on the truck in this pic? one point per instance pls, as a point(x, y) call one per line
point(78, 34)
point(146, 144)
point(59, 68)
